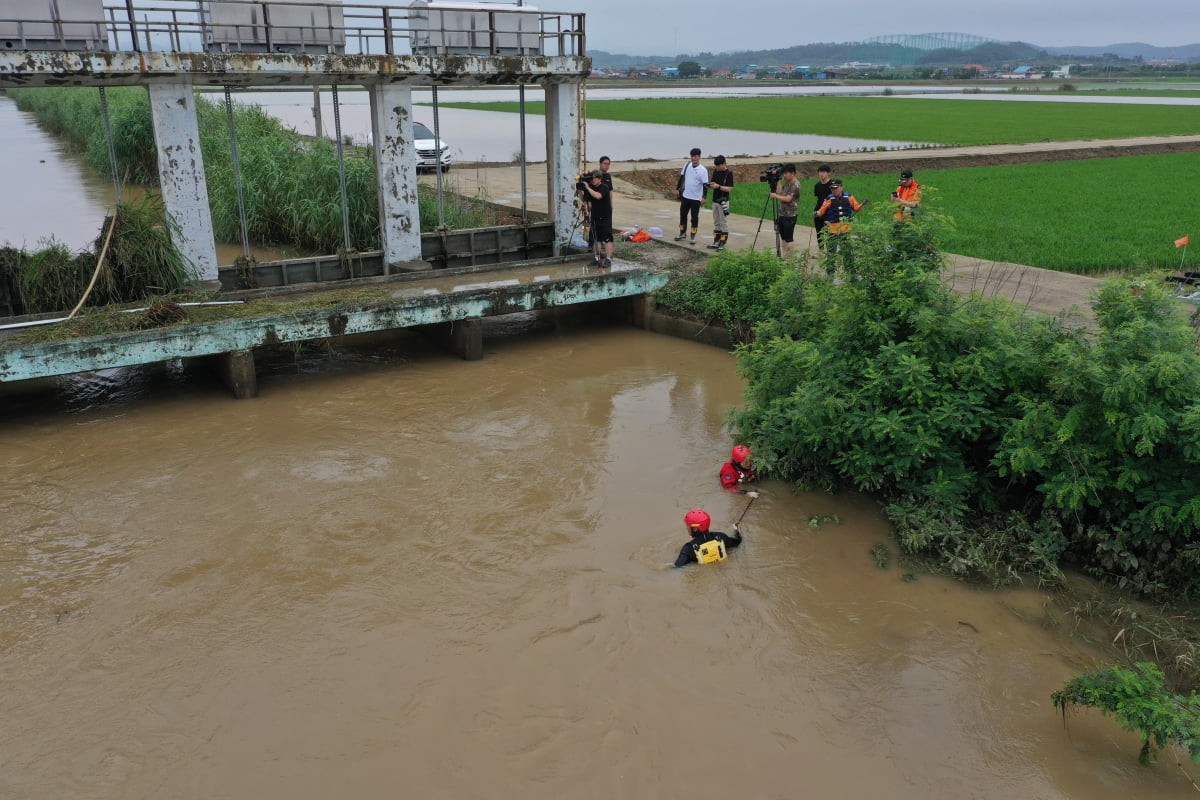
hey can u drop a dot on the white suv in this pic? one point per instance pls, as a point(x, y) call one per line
point(431, 151)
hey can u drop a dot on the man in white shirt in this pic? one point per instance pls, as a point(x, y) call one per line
point(690, 188)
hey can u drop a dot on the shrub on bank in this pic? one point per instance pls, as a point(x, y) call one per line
point(731, 289)
point(999, 442)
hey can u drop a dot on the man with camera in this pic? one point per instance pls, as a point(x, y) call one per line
point(785, 189)
point(599, 198)
point(721, 183)
point(690, 189)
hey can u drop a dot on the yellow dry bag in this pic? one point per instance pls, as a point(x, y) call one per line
point(710, 552)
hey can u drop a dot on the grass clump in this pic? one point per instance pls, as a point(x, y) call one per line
point(141, 260)
point(729, 290)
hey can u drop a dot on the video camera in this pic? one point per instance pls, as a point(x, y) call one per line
point(581, 181)
point(771, 175)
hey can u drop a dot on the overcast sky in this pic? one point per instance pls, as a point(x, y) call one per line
point(671, 27)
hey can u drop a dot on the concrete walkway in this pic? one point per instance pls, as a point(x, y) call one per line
point(1040, 290)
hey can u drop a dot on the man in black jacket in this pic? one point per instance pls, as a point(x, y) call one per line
point(821, 190)
point(720, 181)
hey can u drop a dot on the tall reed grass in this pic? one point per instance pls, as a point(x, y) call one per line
point(141, 261)
point(291, 186)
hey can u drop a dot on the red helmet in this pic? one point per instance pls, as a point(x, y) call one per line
point(697, 520)
point(741, 453)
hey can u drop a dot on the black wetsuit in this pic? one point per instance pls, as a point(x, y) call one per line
point(687, 553)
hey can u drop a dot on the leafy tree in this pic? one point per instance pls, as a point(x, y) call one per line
point(1114, 446)
point(1140, 701)
point(689, 69)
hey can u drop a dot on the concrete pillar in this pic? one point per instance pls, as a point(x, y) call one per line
point(181, 174)
point(464, 337)
point(564, 157)
point(236, 370)
point(396, 168)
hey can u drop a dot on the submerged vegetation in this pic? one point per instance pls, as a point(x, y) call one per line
point(1140, 701)
point(291, 183)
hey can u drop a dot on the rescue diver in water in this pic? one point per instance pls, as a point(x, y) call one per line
point(737, 470)
point(706, 546)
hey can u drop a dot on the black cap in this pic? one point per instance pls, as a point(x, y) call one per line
point(824, 168)
point(905, 173)
point(833, 184)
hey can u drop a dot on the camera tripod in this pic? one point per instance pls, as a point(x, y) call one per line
point(774, 204)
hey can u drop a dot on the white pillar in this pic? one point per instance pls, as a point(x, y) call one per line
point(396, 168)
point(181, 174)
point(564, 157)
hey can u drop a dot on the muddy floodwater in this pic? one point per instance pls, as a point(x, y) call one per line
point(52, 193)
point(398, 574)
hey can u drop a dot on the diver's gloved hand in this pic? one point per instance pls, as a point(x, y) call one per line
point(752, 495)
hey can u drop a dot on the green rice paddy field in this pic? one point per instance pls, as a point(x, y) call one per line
point(1088, 216)
point(909, 119)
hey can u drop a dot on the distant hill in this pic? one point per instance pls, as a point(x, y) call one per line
point(823, 54)
point(1148, 52)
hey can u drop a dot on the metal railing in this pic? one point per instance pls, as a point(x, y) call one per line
point(243, 26)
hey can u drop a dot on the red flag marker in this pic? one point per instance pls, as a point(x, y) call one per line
point(1181, 242)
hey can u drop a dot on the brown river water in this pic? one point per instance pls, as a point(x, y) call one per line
point(398, 574)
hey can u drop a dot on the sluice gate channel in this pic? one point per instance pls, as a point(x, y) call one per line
point(449, 307)
point(173, 47)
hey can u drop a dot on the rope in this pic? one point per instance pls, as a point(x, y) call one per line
point(99, 263)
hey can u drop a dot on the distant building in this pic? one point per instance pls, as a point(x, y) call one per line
point(1022, 73)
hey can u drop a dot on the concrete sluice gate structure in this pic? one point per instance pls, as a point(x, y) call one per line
point(173, 46)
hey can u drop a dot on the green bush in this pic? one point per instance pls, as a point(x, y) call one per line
point(1140, 701)
point(1113, 443)
point(1001, 443)
point(733, 288)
